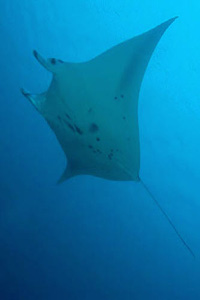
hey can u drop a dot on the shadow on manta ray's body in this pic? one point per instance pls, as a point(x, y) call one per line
point(92, 107)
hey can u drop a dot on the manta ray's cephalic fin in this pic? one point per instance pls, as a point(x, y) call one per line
point(36, 100)
point(51, 64)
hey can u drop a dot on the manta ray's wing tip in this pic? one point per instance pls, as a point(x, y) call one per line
point(172, 19)
point(163, 26)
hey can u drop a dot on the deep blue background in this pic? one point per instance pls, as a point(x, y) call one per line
point(90, 238)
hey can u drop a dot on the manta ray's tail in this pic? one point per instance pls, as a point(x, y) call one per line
point(167, 217)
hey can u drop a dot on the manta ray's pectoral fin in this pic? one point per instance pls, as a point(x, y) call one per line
point(126, 63)
point(36, 100)
point(51, 64)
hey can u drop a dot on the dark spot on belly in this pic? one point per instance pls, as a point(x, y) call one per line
point(78, 130)
point(115, 98)
point(90, 146)
point(110, 156)
point(122, 96)
point(69, 125)
point(90, 110)
point(124, 118)
point(53, 61)
point(93, 128)
point(98, 139)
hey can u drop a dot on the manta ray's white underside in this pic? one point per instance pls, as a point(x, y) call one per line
point(92, 107)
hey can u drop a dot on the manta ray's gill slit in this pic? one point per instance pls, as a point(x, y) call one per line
point(73, 127)
point(78, 130)
point(68, 116)
point(69, 125)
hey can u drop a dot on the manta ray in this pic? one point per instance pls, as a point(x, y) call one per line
point(92, 107)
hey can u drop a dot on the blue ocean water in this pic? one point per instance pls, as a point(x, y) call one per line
point(90, 238)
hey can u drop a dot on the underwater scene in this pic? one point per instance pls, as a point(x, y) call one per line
point(99, 150)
